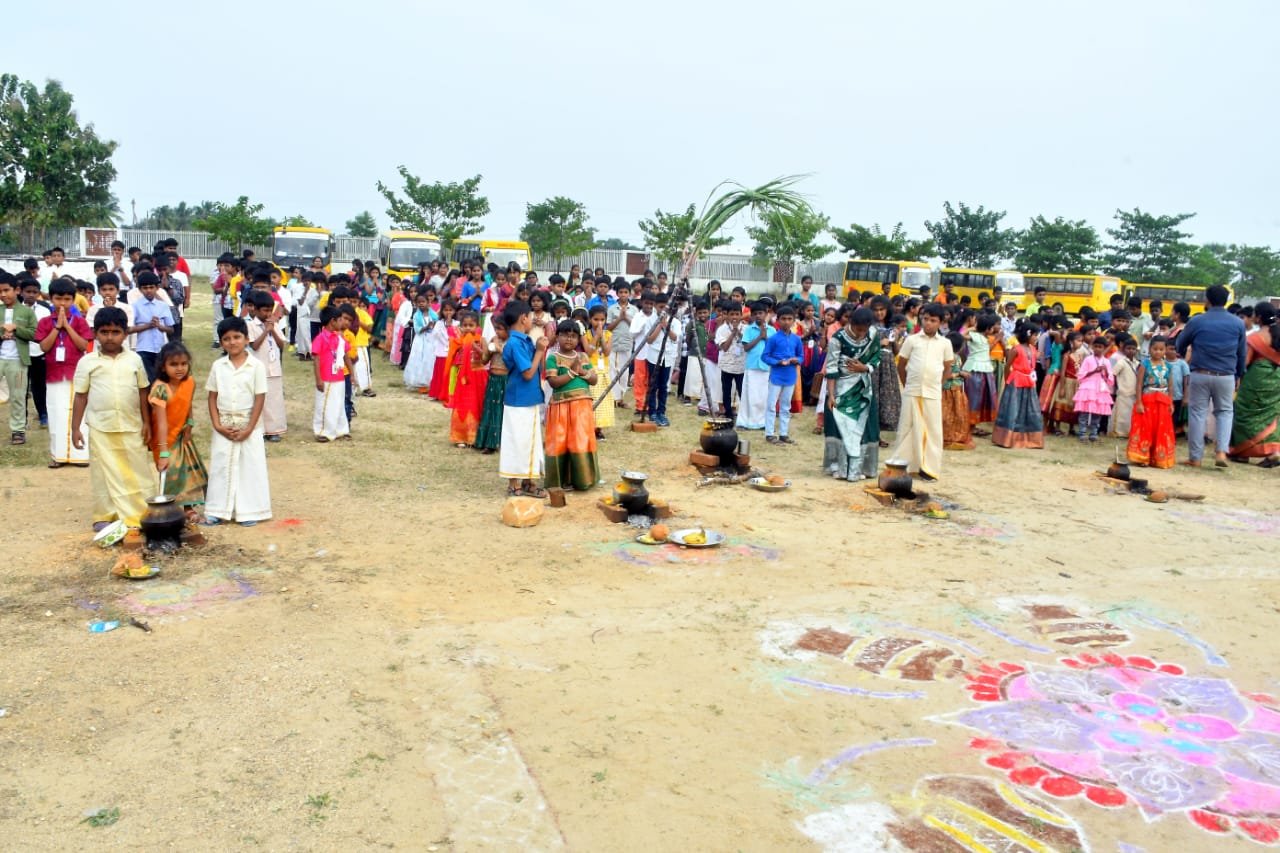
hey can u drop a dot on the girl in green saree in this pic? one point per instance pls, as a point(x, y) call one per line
point(852, 424)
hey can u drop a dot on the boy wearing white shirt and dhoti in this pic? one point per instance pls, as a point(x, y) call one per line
point(238, 487)
point(924, 364)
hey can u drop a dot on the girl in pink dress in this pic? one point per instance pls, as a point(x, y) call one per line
point(1093, 391)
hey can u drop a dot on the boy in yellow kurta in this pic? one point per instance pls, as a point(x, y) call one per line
point(111, 389)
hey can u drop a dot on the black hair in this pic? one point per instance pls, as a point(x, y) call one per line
point(897, 319)
point(465, 313)
point(957, 341)
point(859, 315)
point(556, 278)
point(110, 316)
point(258, 299)
point(1159, 339)
point(596, 309)
point(232, 324)
point(172, 349)
point(564, 327)
point(985, 322)
point(933, 309)
point(514, 311)
point(1023, 331)
point(540, 294)
point(349, 310)
point(328, 314)
point(786, 309)
point(1216, 295)
point(61, 287)
point(341, 291)
point(759, 305)
point(1181, 309)
point(57, 249)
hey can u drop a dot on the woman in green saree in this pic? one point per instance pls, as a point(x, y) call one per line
point(852, 424)
point(1255, 432)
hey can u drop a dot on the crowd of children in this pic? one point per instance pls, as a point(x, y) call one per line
point(536, 374)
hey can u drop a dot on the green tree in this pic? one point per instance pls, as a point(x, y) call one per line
point(295, 221)
point(239, 224)
point(863, 242)
point(971, 237)
point(557, 227)
point(616, 244)
point(1148, 248)
point(668, 234)
point(1063, 245)
point(53, 171)
point(1212, 263)
point(786, 238)
point(446, 210)
point(362, 225)
point(1257, 271)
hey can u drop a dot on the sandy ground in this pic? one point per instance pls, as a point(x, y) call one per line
point(385, 665)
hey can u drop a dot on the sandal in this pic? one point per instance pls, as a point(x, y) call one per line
point(18, 438)
point(884, 444)
point(55, 464)
point(514, 492)
point(535, 492)
point(1269, 462)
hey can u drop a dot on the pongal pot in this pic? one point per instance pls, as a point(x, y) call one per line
point(719, 439)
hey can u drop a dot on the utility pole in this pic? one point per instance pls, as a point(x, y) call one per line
point(133, 203)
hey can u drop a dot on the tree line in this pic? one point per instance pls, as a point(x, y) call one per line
point(56, 172)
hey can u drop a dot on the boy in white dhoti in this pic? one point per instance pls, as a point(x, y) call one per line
point(755, 384)
point(520, 456)
point(924, 364)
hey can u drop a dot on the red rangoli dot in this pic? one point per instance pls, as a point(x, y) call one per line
point(1261, 832)
point(1210, 822)
point(1141, 662)
point(1071, 662)
point(1061, 786)
point(1171, 669)
point(1109, 797)
point(1004, 761)
point(1113, 659)
point(1028, 775)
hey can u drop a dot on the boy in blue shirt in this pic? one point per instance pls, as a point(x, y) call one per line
point(755, 383)
point(520, 455)
point(783, 353)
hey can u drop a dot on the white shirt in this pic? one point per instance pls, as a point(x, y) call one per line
point(925, 358)
point(41, 312)
point(734, 358)
point(237, 387)
point(655, 352)
point(9, 348)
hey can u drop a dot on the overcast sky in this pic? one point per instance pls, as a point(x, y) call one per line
point(1071, 109)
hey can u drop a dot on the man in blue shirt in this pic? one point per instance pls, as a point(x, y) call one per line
point(520, 456)
point(783, 353)
point(1216, 341)
point(603, 296)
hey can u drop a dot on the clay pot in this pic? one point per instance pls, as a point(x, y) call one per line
point(720, 439)
point(895, 480)
point(1118, 471)
point(632, 494)
point(163, 521)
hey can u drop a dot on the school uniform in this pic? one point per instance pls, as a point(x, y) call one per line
point(60, 370)
point(274, 421)
point(329, 420)
point(121, 471)
point(520, 455)
point(238, 486)
point(15, 359)
point(755, 384)
point(919, 444)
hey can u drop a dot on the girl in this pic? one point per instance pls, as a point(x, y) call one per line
point(598, 346)
point(1018, 423)
point(1053, 367)
point(980, 373)
point(852, 424)
point(312, 298)
point(1255, 430)
point(1124, 367)
point(418, 368)
point(403, 319)
point(888, 392)
point(571, 440)
point(238, 488)
point(302, 332)
point(489, 433)
point(583, 320)
point(955, 405)
point(1151, 440)
point(1062, 410)
point(467, 358)
point(543, 325)
point(171, 425)
point(1093, 392)
point(442, 333)
point(911, 310)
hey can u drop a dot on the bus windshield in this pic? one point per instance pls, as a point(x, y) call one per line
point(502, 257)
point(914, 278)
point(1011, 283)
point(300, 248)
point(407, 255)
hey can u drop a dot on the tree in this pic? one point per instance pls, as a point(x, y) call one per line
point(557, 227)
point(238, 224)
point(862, 242)
point(785, 238)
point(667, 234)
point(971, 237)
point(1148, 248)
point(179, 217)
point(362, 225)
point(1063, 245)
point(295, 221)
point(1257, 271)
point(53, 171)
point(616, 244)
point(1212, 263)
point(446, 210)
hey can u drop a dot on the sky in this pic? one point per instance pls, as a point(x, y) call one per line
point(890, 108)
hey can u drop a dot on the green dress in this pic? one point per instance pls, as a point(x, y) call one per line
point(852, 425)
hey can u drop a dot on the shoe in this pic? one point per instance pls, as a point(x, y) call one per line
point(928, 478)
point(785, 439)
point(44, 423)
point(273, 438)
point(18, 438)
point(686, 402)
point(368, 392)
point(772, 439)
point(661, 420)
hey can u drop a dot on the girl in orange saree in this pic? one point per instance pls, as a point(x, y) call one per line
point(1151, 439)
point(466, 360)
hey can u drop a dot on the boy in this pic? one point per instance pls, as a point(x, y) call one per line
point(332, 360)
point(660, 348)
point(520, 455)
point(783, 353)
point(694, 342)
point(755, 386)
point(64, 336)
point(109, 292)
point(36, 380)
point(117, 265)
point(349, 321)
point(175, 285)
point(733, 358)
point(1179, 379)
point(924, 364)
point(237, 386)
point(15, 354)
point(152, 321)
point(643, 323)
point(618, 323)
point(268, 344)
point(106, 383)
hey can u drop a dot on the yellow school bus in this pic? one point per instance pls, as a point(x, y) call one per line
point(1169, 294)
point(401, 252)
point(500, 252)
point(1072, 292)
point(977, 283)
point(298, 246)
point(904, 277)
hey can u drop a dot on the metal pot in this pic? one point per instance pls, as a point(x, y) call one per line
point(895, 480)
point(163, 521)
point(1118, 471)
point(720, 439)
point(632, 494)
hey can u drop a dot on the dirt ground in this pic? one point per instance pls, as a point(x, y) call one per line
point(385, 665)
